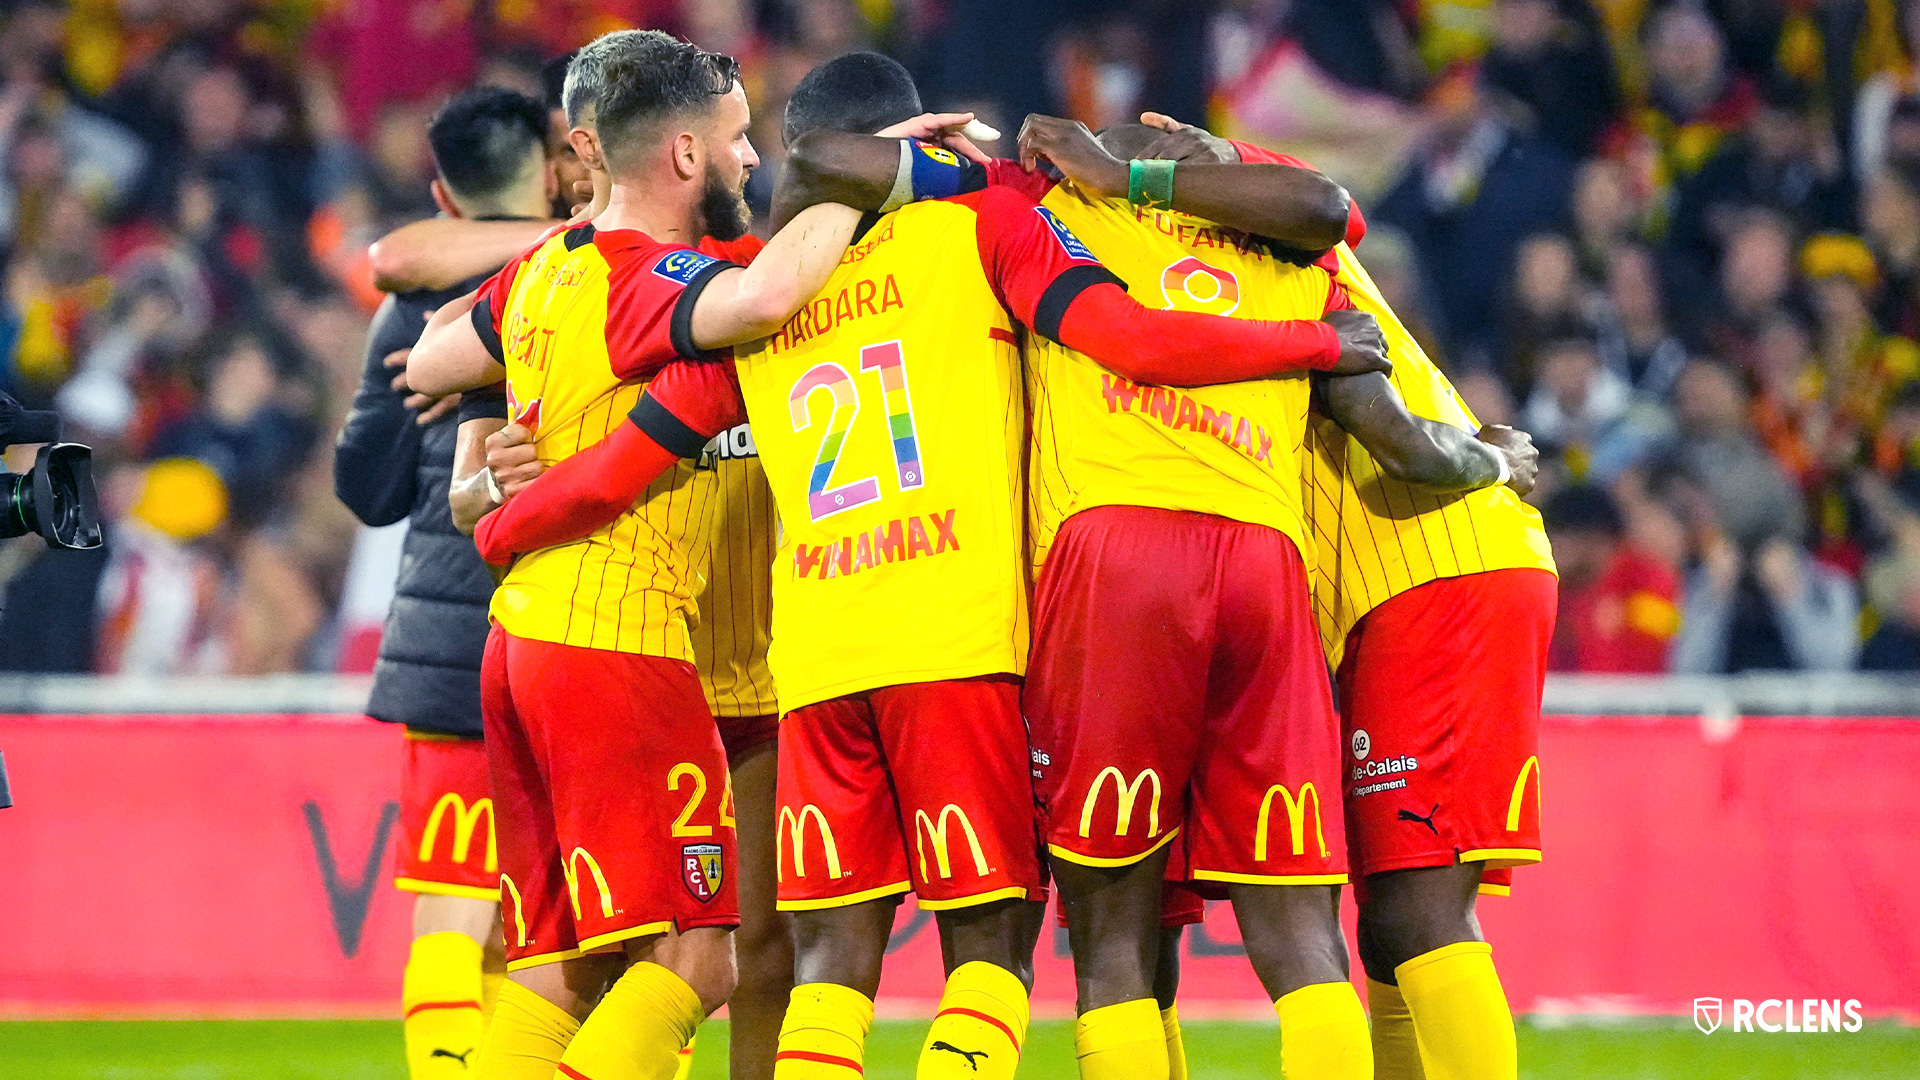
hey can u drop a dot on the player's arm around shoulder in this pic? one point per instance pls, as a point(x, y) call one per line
point(452, 356)
point(440, 252)
point(742, 304)
point(1416, 450)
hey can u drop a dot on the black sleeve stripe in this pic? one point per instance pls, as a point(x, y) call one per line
point(1062, 292)
point(660, 425)
point(482, 315)
point(680, 331)
point(486, 403)
point(973, 176)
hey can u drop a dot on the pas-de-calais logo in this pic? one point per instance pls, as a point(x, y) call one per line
point(1706, 1015)
point(701, 870)
point(1362, 744)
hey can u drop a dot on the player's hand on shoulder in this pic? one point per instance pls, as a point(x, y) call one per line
point(512, 460)
point(950, 130)
point(1072, 149)
point(1186, 142)
point(1523, 458)
point(1363, 348)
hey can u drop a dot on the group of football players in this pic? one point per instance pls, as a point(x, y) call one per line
point(858, 561)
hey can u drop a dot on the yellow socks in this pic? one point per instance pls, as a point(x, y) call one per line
point(1396, 1054)
point(637, 1030)
point(824, 1036)
point(979, 1028)
point(440, 998)
point(1460, 1013)
point(525, 1038)
point(1121, 1042)
point(1323, 1034)
point(1176, 1047)
point(490, 990)
point(681, 1070)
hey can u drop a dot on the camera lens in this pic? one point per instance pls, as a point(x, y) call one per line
point(16, 506)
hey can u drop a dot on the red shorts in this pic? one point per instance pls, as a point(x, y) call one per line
point(611, 794)
point(739, 734)
point(446, 819)
point(1174, 654)
point(922, 786)
point(1440, 691)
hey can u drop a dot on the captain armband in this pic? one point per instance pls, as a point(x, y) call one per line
point(926, 171)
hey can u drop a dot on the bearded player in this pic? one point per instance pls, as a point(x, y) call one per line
point(608, 773)
point(729, 639)
point(1434, 592)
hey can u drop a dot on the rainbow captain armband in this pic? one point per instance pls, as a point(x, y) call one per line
point(927, 171)
point(1150, 183)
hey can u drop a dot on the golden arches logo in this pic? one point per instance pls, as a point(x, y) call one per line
point(519, 917)
point(466, 819)
point(1191, 285)
point(1296, 820)
point(795, 826)
point(1531, 768)
point(572, 869)
point(938, 831)
point(1126, 794)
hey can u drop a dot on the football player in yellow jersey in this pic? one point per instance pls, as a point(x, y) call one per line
point(1435, 602)
point(610, 782)
point(879, 685)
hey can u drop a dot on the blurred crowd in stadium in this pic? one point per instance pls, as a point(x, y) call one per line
point(1678, 242)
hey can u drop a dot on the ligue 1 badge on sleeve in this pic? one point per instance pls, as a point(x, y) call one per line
point(1706, 1015)
point(700, 869)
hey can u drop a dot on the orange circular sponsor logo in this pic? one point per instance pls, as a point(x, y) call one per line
point(1191, 285)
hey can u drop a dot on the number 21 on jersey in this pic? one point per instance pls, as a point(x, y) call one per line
point(824, 497)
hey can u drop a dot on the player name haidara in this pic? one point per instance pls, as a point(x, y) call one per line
point(863, 297)
point(1179, 411)
point(895, 541)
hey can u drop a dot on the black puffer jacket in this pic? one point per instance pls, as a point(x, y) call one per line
point(386, 467)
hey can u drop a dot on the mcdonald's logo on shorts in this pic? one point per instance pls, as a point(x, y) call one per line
point(791, 831)
point(466, 821)
point(926, 827)
point(1296, 820)
point(571, 868)
point(1126, 795)
point(510, 900)
point(1530, 769)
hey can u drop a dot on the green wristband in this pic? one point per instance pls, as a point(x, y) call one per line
point(1150, 183)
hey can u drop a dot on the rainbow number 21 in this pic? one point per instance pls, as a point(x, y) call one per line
point(824, 497)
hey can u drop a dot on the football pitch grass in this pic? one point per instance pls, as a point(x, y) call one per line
point(370, 1050)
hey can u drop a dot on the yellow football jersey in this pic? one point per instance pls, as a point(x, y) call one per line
point(890, 420)
point(736, 607)
point(1231, 450)
point(573, 372)
point(1377, 537)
